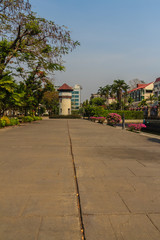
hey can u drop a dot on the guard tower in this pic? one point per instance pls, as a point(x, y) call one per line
point(65, 95)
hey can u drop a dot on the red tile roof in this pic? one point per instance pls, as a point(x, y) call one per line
point(157, 80)
point(65, 87)
point(140, 87)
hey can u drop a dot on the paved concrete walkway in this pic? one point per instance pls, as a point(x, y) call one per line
point(118, 176)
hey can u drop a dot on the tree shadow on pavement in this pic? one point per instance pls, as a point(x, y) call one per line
point(156, 140)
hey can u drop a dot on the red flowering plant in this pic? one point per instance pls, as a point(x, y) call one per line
point(101, 119)
point(113, 119)
point(136, 127)
point(93, 119)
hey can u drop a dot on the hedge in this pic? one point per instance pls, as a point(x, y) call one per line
point(73, 116)
point(101, 112)
point(127, 114)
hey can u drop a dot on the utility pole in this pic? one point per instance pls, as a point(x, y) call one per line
point(123, 121)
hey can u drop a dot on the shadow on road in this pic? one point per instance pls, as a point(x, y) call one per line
point(156, 140)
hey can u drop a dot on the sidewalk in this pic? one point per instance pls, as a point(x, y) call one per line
point(118, 176)
point(38, 195)
point(119, 180)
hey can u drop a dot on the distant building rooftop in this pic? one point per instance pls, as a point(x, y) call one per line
point(140, 86)
point(157, 80)
point(65, 87)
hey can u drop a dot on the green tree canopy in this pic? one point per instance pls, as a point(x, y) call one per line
point(97, 101)
point(30, 47)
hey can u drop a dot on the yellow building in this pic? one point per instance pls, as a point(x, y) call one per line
point(143, 91)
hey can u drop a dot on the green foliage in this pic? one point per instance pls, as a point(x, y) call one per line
point(96, 111)
point(119, 87)
point(4, 48)
point(97, 101)
point(130, 100)
point(2, 123)
point(36, 118)
point(75, 112)
point(10, 98)
point(14, 121)
point(27, 119)
point(105, 91)
point(31, 47)
point(5, 121)
point(51, 101)
point(101, 112)
point(143, 103)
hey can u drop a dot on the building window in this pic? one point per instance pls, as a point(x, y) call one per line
point(60, 110)
point(75, 92)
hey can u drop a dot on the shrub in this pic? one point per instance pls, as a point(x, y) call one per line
point(2, 123)
point(36, 118)
point(14, 121)
point(101, 112)
point(93, 119)
point(101, 119)
point(113, 119)
point(136, 127)
point(6, 119)
point(90, 111)
point(27, 119)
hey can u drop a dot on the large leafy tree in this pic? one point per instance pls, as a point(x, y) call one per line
point(30, 38)
point(10, 97)
point(97, 101)
point(51, 101)
point(30, 44)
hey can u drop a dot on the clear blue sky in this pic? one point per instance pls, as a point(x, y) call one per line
point(120, 39)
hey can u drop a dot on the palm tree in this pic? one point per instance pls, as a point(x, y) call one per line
point(151, 98)
point(143, 103)
point(101, 91)
point(107, 90)
point(118, 87)
point(130, 101)
point(104, 92)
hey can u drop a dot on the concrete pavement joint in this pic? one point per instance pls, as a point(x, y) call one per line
point(152, 222)
point(132, 172)
point(141, 163)
point(37, 235)
point(22, 211)
point(119, 214)
point(124, 202)
point(77, 187)
point(112, 228)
